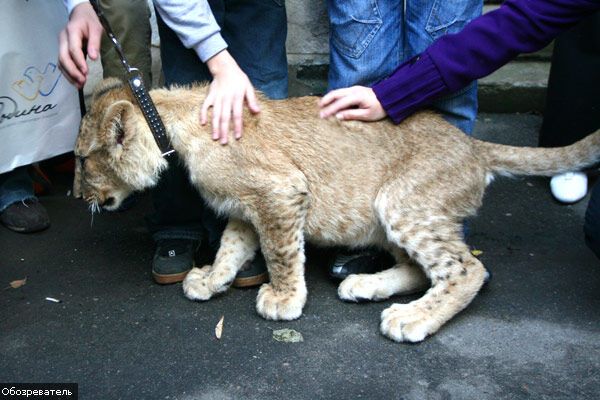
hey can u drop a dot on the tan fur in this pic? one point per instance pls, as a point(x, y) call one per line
point(293, 177)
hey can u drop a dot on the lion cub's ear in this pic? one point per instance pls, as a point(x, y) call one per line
point(112, 129)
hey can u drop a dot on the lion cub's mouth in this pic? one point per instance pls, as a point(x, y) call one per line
point(109, 202)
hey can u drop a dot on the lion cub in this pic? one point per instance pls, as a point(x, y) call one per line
point(295, 177)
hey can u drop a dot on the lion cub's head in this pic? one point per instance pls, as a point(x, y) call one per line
point(115, 151)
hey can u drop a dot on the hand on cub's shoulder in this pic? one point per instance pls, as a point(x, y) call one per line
point(228, 92)
point(353, 103)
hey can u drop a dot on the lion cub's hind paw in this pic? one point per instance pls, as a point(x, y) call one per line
point(406, 323)
point(361, 287)
point(280, 305)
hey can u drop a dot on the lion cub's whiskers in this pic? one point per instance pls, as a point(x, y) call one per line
point(94, 209)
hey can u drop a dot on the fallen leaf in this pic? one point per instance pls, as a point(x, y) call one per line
point(476, 253)
point(18, 283)
point(219, 328)
point(288, 336)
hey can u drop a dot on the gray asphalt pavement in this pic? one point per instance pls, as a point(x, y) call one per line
point(532, 333)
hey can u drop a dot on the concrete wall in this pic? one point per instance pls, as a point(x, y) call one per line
point(308, 32)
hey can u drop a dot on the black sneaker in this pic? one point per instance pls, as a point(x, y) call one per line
point(363, 262)
point(173, 259)
point(25, 216)
point(253, 273)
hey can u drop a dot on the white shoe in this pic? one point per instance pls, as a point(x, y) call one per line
point(569, 187)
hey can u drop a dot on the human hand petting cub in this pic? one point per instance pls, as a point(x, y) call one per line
point(229, 91)
point(353, 103)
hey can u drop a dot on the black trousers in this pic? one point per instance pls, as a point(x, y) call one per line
point(573, 103)
point(572, 108)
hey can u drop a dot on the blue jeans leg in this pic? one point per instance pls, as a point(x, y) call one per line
point(365, 41)
point(369, 39)
point(15, 185)
point(460, 109)
point(255, 32)
point(425, 22)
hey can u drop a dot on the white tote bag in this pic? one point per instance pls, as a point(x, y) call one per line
point(39, 108)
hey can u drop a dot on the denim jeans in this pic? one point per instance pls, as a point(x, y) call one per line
point(370, 38)
point(15, 185)
point(255, 32)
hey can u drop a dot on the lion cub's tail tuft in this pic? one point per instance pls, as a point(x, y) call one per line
point(512, 160)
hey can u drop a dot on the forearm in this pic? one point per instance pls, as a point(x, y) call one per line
point(489, 42)
point(414, 84)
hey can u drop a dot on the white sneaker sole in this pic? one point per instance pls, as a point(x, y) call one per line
point(569, 187)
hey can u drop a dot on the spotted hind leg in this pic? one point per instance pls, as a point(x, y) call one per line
point(434, 242)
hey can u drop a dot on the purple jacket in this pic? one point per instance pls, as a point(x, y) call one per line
point(483, 46)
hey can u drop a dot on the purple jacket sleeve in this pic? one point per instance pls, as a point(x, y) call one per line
point(483, 46)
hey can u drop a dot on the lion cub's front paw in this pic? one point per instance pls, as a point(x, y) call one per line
point(280, 305)
point(407, 323)
point(195, 284)
point(202, 284)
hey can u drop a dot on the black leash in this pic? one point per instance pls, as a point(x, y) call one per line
point(136, 83)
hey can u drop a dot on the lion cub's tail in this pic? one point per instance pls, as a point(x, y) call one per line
point(511, 160)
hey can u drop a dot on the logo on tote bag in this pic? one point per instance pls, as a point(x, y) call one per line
point(32, 87)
